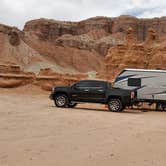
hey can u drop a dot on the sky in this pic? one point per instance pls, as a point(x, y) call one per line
point(17, 12)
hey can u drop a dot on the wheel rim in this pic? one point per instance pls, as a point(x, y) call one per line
point(114, 105)
point(61, 100)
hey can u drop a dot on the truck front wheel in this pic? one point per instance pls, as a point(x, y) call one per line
point(61, 100)
point(115, 105)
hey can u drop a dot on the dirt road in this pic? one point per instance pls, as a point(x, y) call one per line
point(35, 133)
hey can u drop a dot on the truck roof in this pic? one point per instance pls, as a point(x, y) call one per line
point(144, 70)
point(94, 81)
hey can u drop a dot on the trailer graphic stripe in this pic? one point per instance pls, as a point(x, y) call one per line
point(124, 77)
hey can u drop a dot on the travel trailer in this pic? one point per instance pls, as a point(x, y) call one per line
point(150, 85)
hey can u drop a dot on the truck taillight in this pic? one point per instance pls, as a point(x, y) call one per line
point(132, 95)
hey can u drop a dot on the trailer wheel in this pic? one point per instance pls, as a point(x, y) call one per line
point(160, 107)
point(115, 105)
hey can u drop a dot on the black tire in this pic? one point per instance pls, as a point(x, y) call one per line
point(72, 104)
point(160, 107)
point(61, 100)
point(115, 105)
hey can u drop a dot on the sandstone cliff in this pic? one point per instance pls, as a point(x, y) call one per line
point(80, 47)
point(149, 54)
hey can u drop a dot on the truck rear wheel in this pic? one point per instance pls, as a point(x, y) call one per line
point(61, 100)
point(115, 105)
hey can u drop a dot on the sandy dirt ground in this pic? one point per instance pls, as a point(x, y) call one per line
point(33, 132)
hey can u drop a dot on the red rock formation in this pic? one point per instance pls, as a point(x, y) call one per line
point(131, 37)
point(150, 54)
point(48, 79)
point(12, 76)
point(80, 47)
point(15, 69)
point(151, 36)
point(14, 38)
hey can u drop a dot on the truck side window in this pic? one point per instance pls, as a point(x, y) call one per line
point(91, 84)
point(82, 84)
point(134, 82)
point(97, 85)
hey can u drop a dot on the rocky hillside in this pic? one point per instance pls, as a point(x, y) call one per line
point(149, 54)
point(96, 44)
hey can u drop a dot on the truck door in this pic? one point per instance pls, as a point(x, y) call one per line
point(80, 92)
point(97, 91)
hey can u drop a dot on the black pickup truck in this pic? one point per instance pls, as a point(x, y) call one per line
point(93, 91)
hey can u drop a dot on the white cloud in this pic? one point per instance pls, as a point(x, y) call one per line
point(17, 12)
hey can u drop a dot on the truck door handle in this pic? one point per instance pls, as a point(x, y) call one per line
point(86, 90)
point(100, 90)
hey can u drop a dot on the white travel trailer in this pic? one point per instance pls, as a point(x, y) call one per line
point(149, 84)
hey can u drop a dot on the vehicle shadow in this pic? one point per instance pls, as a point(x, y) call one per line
point(91, 109)
point(143, 109)
point(127, 110)
point(105, 110)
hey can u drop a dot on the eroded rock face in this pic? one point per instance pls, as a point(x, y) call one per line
point(151, 36)
point(81, 35)
point(52, 28)
point(80, 47)
point(13, 32)
point(47, 79)
point(150, 54)
point(14, 38)
point(15, 69)
point(131, 37)
point(87, 34)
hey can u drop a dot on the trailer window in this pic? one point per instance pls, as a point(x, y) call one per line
point(134, 82)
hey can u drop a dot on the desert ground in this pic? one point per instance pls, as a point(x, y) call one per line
point(33, 132)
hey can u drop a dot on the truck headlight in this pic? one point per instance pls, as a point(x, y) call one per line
point(53, 89)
